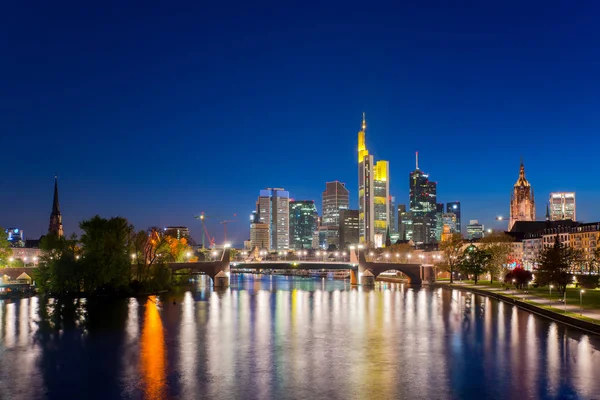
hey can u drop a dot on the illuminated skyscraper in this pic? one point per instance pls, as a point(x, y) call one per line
point(562, 206)
point(522, 203)
point(335, 199)
point(422, 205)
point(373, 192)
point(454, 208)
point(303, 223)
point(273, 209)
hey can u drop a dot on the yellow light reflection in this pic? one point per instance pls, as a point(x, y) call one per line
point(153, 352)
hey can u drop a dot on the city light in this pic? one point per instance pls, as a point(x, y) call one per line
point(132, 256)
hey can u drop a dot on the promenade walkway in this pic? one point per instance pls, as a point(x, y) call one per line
point(572, 309)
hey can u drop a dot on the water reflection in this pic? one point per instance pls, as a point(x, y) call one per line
point(153, 352)
point(282, 337)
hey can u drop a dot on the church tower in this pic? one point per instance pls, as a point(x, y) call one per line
point(56, 227)
point(522, 203)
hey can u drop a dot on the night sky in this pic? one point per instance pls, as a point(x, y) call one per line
point(157, 112)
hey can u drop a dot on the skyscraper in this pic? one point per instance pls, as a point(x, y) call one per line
point(348, 227)
point(393, 219)
point(373, 192)
point(422, 205)
point(303, 223)
point(562, 206)
point(335, 199)
point(454, 208)
point(404, 223)
point(522, 203)
point(273, 209)
point(56, 226)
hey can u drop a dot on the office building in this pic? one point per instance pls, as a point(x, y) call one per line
point(348, 228)
point(449, 219)
point(15, 237)
point(401, 221)
point(522, 202)
point(474, 230)
point(303, 223)
point(373, 192)
point(562, 206)
point(439, 223)
point(422, 206)
point(454, 208)
point(260, 236)
point(393, 218)
point(273, 209)
point(335, 199)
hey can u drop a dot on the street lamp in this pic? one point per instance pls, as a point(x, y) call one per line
point(409, 256)
point(551, 286)
point(581, 292)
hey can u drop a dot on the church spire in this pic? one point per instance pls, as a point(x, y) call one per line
point(547, 212)
point(55, 227)
point(55, 203)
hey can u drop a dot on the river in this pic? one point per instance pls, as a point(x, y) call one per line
point(276, 337)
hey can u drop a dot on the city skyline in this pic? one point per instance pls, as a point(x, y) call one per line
point(161, 144)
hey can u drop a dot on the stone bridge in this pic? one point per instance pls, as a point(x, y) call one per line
point(361, 270)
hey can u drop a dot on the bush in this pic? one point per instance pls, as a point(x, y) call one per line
point(588, 281)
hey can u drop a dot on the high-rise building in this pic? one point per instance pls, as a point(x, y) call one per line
point(393, 218)
point(522, 203)
point(335, 199)
point(303, 223)
point(439, 222)
point(15, 237)
point(454, 208)
point(562, 206)
point(348, 228)
point(373, 192)
point(56, 226)
point(401, 221)
point(273, 209)
point(422, 206)
point(260, 236)
point(474, 230)
point(450, 220)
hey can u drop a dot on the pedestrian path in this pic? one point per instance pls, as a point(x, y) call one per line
point(556, 303)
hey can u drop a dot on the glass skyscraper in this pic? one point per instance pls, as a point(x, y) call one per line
point(422, 205)
point(273, 209)
point(303, 223)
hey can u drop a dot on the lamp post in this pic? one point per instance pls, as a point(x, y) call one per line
point(513, 287)
point(551, 286)
point(581, 292)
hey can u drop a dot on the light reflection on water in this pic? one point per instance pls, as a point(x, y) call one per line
point(282, 337)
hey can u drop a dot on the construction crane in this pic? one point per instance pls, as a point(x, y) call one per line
point(224, 221)
point(225, 227)
point(211, 241)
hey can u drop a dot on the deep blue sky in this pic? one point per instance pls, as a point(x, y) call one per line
point(157, 112)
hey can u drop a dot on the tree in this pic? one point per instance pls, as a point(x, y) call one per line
point(520, 276)
point(554, 266)
point(451, 250)
point(403, 249)
point(5, 250)
point(498, 244)
point(58, 271)
point(474, 261)
point(106, 262)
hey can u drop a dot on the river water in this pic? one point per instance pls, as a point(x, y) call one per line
point(274, 337)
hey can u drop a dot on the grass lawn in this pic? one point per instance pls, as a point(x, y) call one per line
point(591, 297)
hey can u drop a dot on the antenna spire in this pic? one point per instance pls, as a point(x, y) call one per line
point(417, 159)
point(364, 122)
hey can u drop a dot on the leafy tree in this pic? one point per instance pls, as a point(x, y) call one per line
point(554, 266)
point(474, 261)
point(498, 244)
point(520, 276)
point(451, 250)
point(5, 250)
point(105, 262)
point(403, 249)
point(58, 271)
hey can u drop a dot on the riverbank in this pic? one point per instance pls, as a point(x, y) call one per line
point(571, 315)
